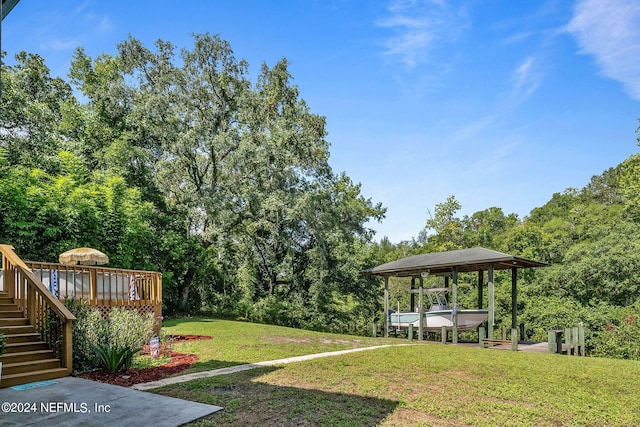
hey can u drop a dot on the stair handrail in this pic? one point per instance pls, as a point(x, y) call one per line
point(35, 289)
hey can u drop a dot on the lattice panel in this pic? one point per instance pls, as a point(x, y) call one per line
point(142, 309)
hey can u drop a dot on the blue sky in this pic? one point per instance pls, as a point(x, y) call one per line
point(499, 103)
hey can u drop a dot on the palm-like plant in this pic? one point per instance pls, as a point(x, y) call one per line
point(114, 359)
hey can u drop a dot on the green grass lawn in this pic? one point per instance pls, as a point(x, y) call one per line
point(425, 384)
point(235, 343)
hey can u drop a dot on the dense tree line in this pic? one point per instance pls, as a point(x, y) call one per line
point(175, 160)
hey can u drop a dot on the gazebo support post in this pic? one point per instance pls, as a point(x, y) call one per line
point(480, 287)
point(413, 296)
point(514, 298)
point(492, 314)
point(421, 310)
point(454, 314)
point(386, 306)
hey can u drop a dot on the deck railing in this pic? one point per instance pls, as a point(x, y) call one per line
point(50, 317)
point(104, 287)
point(100, 285)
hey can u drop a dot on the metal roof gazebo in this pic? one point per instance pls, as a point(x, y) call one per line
point(449, 264)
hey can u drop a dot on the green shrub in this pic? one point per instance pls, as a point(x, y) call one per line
point(270, 310)
point(96, 340)
point(620, 341)
point(3, 343)
point(128, 328)
point(114, 359)
point(123, 335)
point(87, 331)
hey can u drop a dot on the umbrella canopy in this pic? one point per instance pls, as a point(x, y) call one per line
point(84, 256)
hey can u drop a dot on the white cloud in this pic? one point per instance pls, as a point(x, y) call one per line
point(59, 44)
point(525, 79)
point(105, 24)
point(610, 31)
point(495, 160)
point(519, 37)
point(64, 30)
point(472, 130)
point(417, 25)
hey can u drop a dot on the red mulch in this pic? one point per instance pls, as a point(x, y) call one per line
point(179, 362)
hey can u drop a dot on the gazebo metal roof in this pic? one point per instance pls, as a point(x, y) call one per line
point(465, 260)
point(7, 6)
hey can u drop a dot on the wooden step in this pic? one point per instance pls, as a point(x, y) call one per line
point(18, 338)
point(11, 314)
point(21, 347)
point(14, 321)
point(25, 356)
point(29, 366)
point(29, 377)
point(19, 329)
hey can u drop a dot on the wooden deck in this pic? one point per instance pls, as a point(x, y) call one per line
point(104, 287)
point(532, 347)
point(38, 325)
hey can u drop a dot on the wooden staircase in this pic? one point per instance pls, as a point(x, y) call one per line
point(27, 357)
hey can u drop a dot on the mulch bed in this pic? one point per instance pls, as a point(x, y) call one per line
point(179, 362)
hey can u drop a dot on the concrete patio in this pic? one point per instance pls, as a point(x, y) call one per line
point(78, 402)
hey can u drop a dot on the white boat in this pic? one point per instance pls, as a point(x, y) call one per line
point(438, 315)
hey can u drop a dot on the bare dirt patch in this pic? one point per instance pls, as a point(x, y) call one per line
point(406, 416)
point(326, 341)
point(287, 340)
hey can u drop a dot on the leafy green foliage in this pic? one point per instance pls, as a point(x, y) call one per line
point(620, 341)
point(33, 105)
point(448, 228)
point(66, 211)
point(250, 208)
point(176, 161)
point(108, 343)
point(87, 332)
point(128, 328)
point(3, 343)
point(115, 359)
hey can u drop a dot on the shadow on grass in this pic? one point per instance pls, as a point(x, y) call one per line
point(211, 365)
point(249, 400)
point(178, 320)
